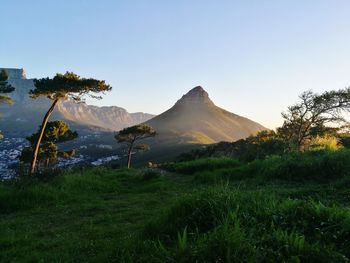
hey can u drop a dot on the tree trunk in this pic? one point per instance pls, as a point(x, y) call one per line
point(43, 127)
point(129, 154)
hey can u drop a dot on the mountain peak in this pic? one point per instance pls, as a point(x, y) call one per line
point(195, 119)
point(197, 95)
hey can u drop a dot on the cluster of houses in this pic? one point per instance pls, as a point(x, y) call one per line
point(11, 148)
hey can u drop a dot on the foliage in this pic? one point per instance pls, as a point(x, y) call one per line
point(344, 139)
point(5, 88)
point(135, 133)
point(260, 146)
point(327, 142)
point(313, 113)
point(55, 132)
point(132, 134)
point(68, 85)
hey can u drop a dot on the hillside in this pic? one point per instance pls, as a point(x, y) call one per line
point(209, 210)
point(196, 119)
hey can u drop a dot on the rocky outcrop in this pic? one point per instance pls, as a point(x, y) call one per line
point(196, 95)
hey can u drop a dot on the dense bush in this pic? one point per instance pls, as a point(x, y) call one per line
point(345, 140)
point(270, 143)
point(321, 166)
point(327, 142)
point(264, 144)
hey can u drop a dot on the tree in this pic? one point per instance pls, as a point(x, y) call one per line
point(5, 88)
point(55, 132)
point(61, 87)
point(132, 134)
point(303, 119)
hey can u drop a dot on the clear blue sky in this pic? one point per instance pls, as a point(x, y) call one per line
point(253, 57)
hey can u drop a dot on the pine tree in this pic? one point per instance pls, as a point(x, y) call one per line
point(62, 87)
point(132, 134)
point(4, 89)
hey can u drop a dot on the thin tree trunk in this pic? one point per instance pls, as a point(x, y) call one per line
point(43, 127)
point(129, 155)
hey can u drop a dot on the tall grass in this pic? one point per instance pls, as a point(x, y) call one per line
point(218, 225)
point(206, 164)
point(321, 166)
point(153, 216)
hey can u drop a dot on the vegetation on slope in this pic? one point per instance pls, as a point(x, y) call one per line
point(221, 210)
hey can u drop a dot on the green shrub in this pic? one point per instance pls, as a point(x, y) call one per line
point(327, 142)
point(324, 166)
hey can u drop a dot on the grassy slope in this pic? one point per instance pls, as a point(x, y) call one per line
point(201, 211)
point(75, 217)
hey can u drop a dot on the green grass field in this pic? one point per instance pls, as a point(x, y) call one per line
point(283, 209)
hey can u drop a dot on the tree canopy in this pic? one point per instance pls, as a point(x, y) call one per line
point(68, 85)
point(132, 134)
point(55, 132)
point(312, 113)
point(5, 87)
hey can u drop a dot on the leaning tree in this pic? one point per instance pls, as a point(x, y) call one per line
point(4, 89)
point(62, 87)
point(56, 132)
point(132, 134)
point(312, 114)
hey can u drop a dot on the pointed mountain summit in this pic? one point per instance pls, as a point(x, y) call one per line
point(196, 119)
point(196, 95)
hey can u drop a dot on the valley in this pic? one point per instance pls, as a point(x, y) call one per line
point(194, 121)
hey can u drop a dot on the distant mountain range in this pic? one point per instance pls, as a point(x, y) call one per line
point(25, 114)
point(111, 117)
